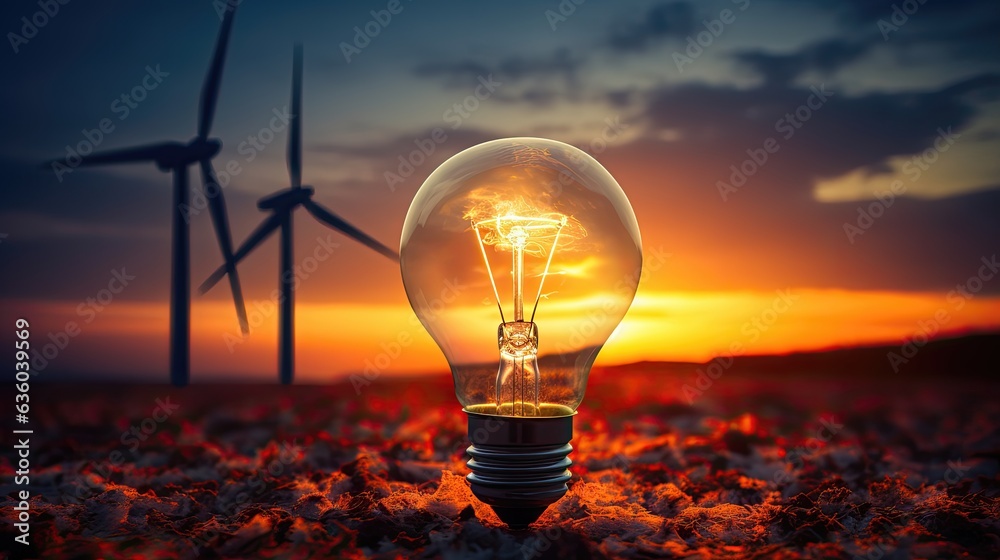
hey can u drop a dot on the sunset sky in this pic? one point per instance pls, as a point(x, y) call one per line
point(873, 216)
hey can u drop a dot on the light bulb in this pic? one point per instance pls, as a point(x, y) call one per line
point(520, 256)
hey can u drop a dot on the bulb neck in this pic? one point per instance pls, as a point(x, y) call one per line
point(520, 465)
point(518, 381)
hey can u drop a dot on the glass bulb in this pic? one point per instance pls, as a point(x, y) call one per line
point(520, 256)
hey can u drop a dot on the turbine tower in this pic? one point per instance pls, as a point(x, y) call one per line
point(176, 157)
point(282, 204)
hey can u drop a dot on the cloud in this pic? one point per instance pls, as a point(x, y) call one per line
point(112, 203)
point(857, 11)
point(966, 29)
point(560, 64)
point(662, 21)
point(773, 233)
point(537, 81)
point(455, 74)
point(847, 133)
point(825, 57)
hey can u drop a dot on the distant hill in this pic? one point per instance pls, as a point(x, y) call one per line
point(975, 355)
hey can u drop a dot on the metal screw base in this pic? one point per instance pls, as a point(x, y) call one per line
point(519, 464)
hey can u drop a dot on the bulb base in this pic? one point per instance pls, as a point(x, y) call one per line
point(520, 465)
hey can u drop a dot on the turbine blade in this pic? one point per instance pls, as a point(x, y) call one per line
point(258, 235)
point(336, 222)
point(295, 132)
point(217, 205)
point(210, 90)
point(149, 152)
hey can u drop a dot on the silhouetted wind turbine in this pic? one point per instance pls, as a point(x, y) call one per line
point(176, 157)
point(282, 204)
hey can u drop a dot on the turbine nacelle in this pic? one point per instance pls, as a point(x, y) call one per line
point(176, 154)
point(285, 198)
point(281, 205)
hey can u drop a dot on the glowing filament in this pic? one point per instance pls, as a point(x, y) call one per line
point(518, 339)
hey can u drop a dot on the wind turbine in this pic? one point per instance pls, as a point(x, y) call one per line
point(176, 157)
point(281, 205)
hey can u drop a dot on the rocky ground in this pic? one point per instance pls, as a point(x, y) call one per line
point(789, 467)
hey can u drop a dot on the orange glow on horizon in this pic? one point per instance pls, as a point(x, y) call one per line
point(337, 339)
